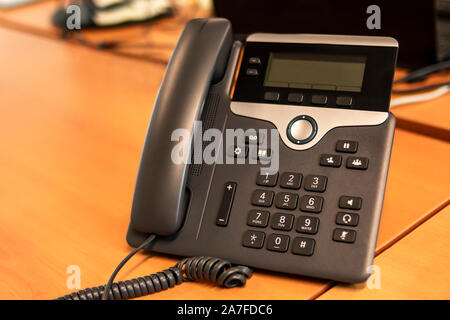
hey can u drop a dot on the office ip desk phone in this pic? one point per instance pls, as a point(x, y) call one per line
point(314, 211)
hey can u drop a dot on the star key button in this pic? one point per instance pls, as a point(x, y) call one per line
point(253, 239)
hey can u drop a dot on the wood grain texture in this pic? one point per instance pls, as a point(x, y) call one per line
point(152, 42)
point(430, 118)
point(420, 260)
point(72, 124)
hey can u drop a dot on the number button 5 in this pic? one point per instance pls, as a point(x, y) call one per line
point(286, 201)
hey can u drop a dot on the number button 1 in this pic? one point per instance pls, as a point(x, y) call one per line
point(267, 179)
point(316, 183)
point(262, 198)
point(291, 180)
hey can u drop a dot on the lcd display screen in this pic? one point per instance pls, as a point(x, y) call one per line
point(315, 71)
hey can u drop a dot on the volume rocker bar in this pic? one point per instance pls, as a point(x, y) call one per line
point(227, 203)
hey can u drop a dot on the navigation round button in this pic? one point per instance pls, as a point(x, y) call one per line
point(301, 129)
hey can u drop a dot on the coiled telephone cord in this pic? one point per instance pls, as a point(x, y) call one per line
point(210, 269)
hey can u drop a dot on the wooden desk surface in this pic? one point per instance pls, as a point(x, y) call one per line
point(419, 258)
point(72, 122)
point(153, 43)
point(430, 118)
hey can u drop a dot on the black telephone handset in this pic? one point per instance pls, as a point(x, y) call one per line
point(199, 60)
point(313, 108)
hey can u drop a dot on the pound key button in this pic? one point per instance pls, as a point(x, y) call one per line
point(303, 246)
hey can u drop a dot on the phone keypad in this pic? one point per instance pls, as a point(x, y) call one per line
point(303, 206)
